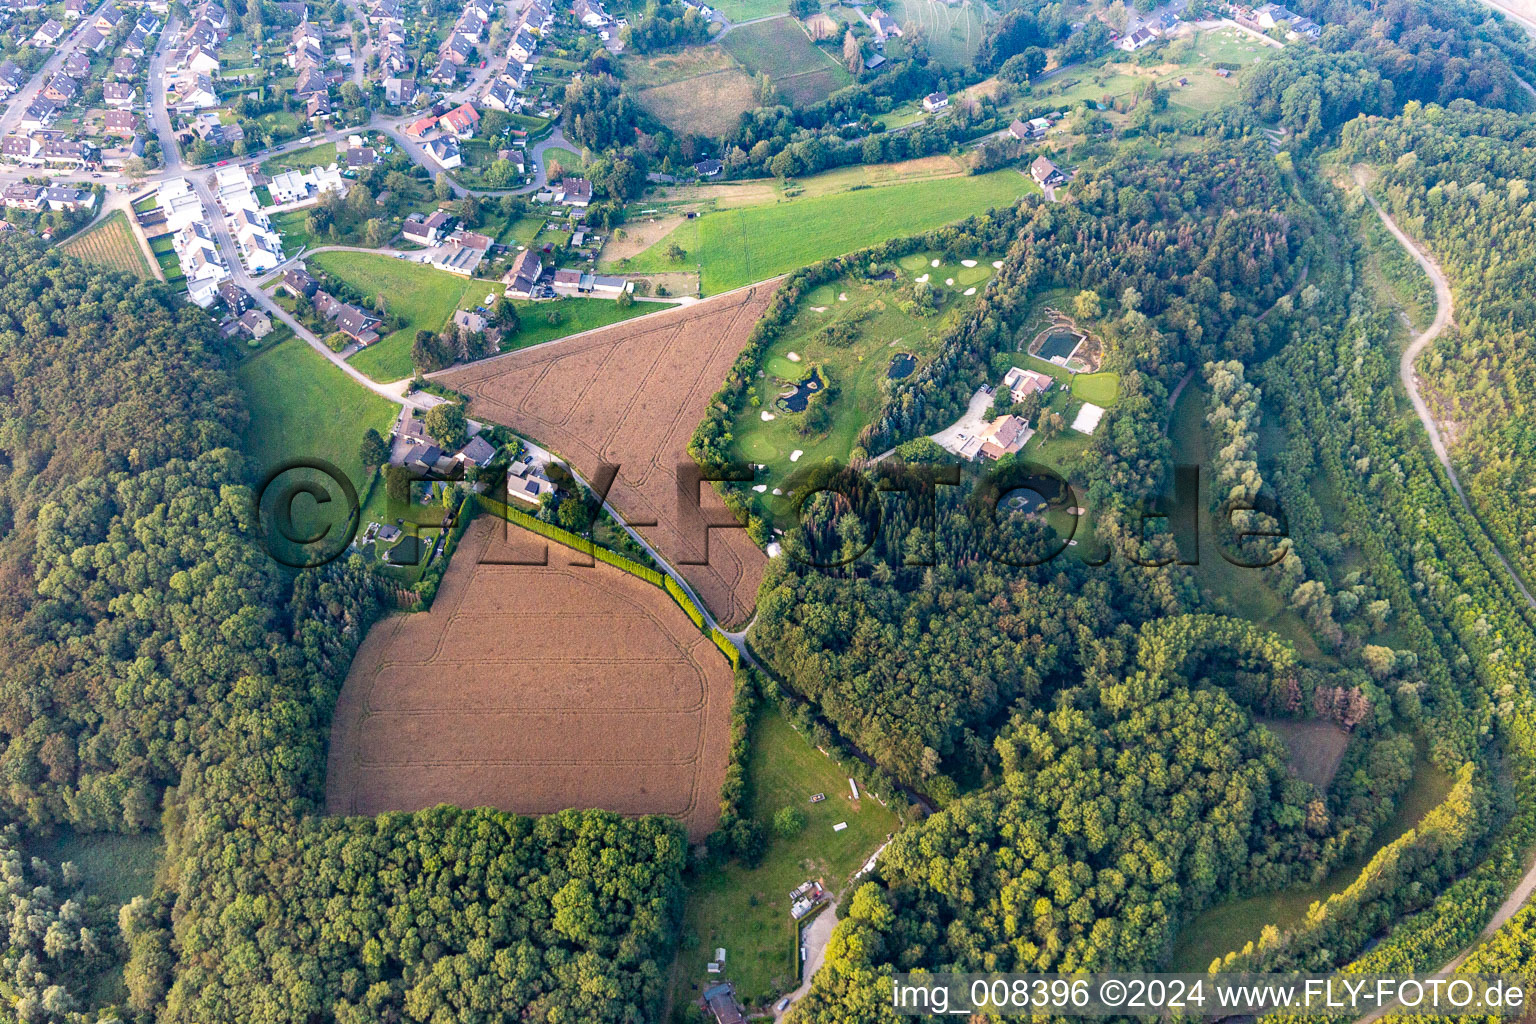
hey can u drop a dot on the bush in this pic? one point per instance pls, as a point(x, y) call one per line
point(789, 822)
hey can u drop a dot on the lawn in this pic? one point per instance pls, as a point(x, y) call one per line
point(747, 911)
point(751, 243)
point(303, 407)
point(747, 10)
point(568, 160)
point(781, 50)
point(111, 244)
point(1102, 389)
point(426, 299)
point(322, 155)
point(872, 330)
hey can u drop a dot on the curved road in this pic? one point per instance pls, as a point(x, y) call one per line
point(1443, 311)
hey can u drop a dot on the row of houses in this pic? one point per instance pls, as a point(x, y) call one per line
point(529, 278)
point(196, 249)
point(296, 188)
point(462, 43)
point(261, 247)
point(46, 147)
point(355, 322)
point(22, 196)
point(192, 67)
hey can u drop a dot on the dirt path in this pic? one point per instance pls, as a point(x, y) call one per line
point(1443, 312)
point(815, 938)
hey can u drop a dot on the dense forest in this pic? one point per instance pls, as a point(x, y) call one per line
point(1460, 179)
point(160, 669)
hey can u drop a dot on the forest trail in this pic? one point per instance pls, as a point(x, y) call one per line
point(1443, 311)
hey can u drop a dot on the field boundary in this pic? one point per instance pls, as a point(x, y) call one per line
point(595, 550)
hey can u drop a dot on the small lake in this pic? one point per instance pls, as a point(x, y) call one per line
point(798, 399)
point(1059, 343)
point(1230, 925)
point(902, 366)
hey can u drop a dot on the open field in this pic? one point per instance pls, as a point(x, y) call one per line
point(533, 688)
point(1316, 747)
point(699, 89)
point(747, 10)
point(322, 155)
point(303, 407)
point(711, 104)
point(426, 298)
point(849, 331)
point(631, 396)
point(953, 34)
point(111, 244)
point(781, 50)
point(747, 910)
point(752, 242)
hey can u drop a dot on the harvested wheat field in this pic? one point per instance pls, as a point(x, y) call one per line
point(533, 688)
point(630, 396)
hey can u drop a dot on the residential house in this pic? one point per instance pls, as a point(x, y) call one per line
point(1023, 383)
point(12, 78)
point(426, 230)
point(720, 1001)
point(883, 24)
point(353, 321)
point(399, 92)
point(523, 45)
point(423, 457)
point(578, 282)
point(123, 123)
point(78, 66)
point(393, 58)
point(418, 129)
point(470, 322)
point(457, 49)
point(523, 278)
point(61, 89)
point(93, 40)
point(125, 67)
point(235, 298)
point(478, 451)
point(256, 323)
point(292, 187)
point(935, 101)
point(192, 92)
point(119, 95)
point(298, 283)
point(361, 156)
point(461, 121)
point(318, 106)
point(108, 20)
point(74, 10)
point(527, 481)
point(310, 83)
point(42, 113)
point(49, 34)
point(575, 192)
point(708, 168)
point(445, 150)
point(1133, 41)
point(1004, 436)
point(500, 95)
point(591, 13)
point(461, 253)
point(445, 74)
point(1045, 172)
point(22, 196)
point(1026, 131)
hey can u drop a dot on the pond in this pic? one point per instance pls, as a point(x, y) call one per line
point(800, 397)
point(1023, 499)
point(1228, 926)
point(1058, 344)
point(902, 366)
